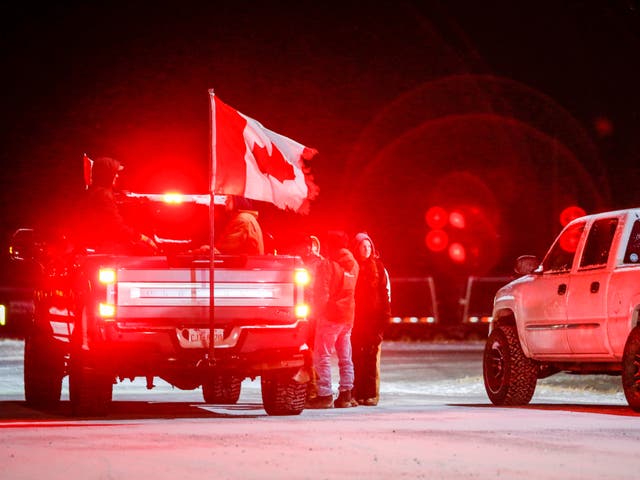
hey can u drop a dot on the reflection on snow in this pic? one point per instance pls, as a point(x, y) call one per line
point(414, 373)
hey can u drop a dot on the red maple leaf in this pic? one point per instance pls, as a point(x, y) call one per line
point(274, 164)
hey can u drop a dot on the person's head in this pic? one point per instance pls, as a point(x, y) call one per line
point(237, 203)
point(104, 171)
point(336, 240)
point(363, 246)
point(307, 246)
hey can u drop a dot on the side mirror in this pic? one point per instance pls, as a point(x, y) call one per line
point(22, 244)
point(526, 264)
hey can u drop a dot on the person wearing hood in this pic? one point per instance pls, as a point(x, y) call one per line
point(335, 304)
point(242, 234)
point(372, 313)
point(103, 227)
point(309, 251)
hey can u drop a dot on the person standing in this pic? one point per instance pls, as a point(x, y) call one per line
point(372, 312)
point(335, 302)
point(315, 262)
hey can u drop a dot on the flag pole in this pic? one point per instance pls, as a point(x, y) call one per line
point(212, 186)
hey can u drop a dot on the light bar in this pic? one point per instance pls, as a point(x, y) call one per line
point(201, 199)
point(175, 198)
point(419, 320)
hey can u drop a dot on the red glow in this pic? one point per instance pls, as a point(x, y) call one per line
point(457, 253)
point(603, 126)
point(456, 219)
point(436, 240)
point(571, 213)
point(569, 240)
point(436, 217)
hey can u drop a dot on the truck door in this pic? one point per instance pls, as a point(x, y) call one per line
point(587, 295)
point(545, 298)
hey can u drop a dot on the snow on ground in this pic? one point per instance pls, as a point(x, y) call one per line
point(433, 422)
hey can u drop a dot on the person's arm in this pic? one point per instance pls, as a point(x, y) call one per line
point(384, 296)
point(121, 230)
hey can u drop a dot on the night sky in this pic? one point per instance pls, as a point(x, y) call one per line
point(507, 111)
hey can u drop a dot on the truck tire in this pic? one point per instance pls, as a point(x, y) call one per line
point(509, 377)
point(43, 371)
point(90, 391)
point(222, 389)
point(631, 369)
point(281, 394)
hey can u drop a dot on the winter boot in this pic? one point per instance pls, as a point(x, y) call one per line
point(321, 401)
point(369, 402)
point(344, 400)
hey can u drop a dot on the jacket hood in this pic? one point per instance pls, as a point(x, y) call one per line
point(358, 239)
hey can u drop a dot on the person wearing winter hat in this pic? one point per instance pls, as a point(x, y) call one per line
point(102, 226)
point(373, 309)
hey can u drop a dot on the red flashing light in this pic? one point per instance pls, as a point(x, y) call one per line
point(436, 217)
point(569, 240)
point(571, 213)
point(457, 253)
point(456, 219)
point(436, 240)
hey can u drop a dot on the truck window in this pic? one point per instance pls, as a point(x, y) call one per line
point(560, 256)
point(598, 245)
point(632, 255)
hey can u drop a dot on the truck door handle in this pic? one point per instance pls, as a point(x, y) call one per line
point(562, 289)
point(595, 286)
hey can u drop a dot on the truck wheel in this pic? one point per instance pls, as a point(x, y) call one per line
point(281, 394)
point(509, 377)
point(43, 371)
point(90, 390)
point(222, 389)
point(631, 369)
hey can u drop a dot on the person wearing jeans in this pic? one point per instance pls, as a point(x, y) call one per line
point(335, 302)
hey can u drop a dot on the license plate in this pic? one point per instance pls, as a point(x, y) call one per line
point(199, 337)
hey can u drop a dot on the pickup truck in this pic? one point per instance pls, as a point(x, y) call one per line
point(577, 311)
point(102, 318)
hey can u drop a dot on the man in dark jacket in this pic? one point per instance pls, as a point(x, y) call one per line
point(334, 300)
point(242, 234)
point(102, 226)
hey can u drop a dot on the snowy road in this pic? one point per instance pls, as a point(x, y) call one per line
point(434, 421)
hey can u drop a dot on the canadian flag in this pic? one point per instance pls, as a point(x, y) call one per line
point(254, 162)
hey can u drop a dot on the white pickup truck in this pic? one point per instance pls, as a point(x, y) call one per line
point(576, 312)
